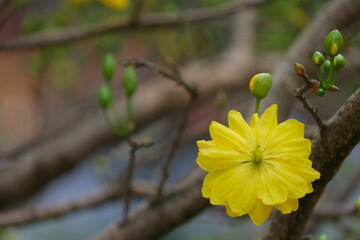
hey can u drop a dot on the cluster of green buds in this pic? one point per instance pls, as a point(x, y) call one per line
point(333, 45)
point(120, 127)
point(260, 85)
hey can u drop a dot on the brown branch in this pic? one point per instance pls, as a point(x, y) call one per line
point(112, 191)
point(134, 147)
point(156, 69)
point(181, 204)
point(175, 144)
point(192, 91)
point(299, 94)
point(328, 152)
point(115, 25)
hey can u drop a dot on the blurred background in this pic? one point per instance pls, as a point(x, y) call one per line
point(47, 89)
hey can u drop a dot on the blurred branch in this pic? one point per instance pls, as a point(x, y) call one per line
point(35, 166)
point(151, 221)
point(192, 91)
point(156, 69)
point(111, 191)
point(134, 147)
point(115, 25)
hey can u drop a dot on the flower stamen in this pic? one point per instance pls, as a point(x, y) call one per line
point(257, 155)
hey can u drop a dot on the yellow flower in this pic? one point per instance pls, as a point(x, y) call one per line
point(255, 167)
point(116, 4)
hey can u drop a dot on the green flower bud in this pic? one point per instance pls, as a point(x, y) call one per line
point(327, 66)
point(260, 85)
point(320, 92)
point(130, 80)
point(339, 61)
point(105, 96)
point(109, 66)
point(318, 59)
point(334, 43)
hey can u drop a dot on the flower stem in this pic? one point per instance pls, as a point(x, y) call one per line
point(331, 69)
point(319, 76)
point(257, 105)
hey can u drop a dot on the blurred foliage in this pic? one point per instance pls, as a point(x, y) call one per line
point(278, 24)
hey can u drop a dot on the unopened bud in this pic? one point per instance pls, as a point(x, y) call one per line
point(323, 237)
point(300, 70)
point(318, 59)
point(130, 80)
point(260, 85)
point(109, 66)
point(326, 66)
point(105, 96)
point(339, 61)
point(321, 92)
point(334, 43)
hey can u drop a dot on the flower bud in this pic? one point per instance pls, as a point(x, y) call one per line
point(326, 66)
point(318, 59)
point(109, 66)
point(320, 92)
point(260, 85)
point(130, 81)
point(334, 43)
point(105, 96)
point(300, 70)
point(339, 61)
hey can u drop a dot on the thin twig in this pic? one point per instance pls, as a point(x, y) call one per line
point(299, 94)
point(115, 25)
point(156, 69)
point(192, 91)
point(171, 154)
point(134, 146)
point(31, 214)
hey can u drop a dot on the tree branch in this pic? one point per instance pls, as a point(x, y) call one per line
point(328, 152)
point(183, 203)
point(111, 191)
point(116, 25)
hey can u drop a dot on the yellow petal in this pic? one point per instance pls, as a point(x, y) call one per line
point(260, 213)
point(266, 123)
point(270, 190)
point(294, 184)
point(219, 184)
point(253, 120)
point(243, 199)
point(289, 206)
point(286, 131)
point(229, 212)
point(224, 136)
point(239, 125)
point(298, 149)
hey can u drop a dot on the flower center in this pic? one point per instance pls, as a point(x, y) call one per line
point(257, 155)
